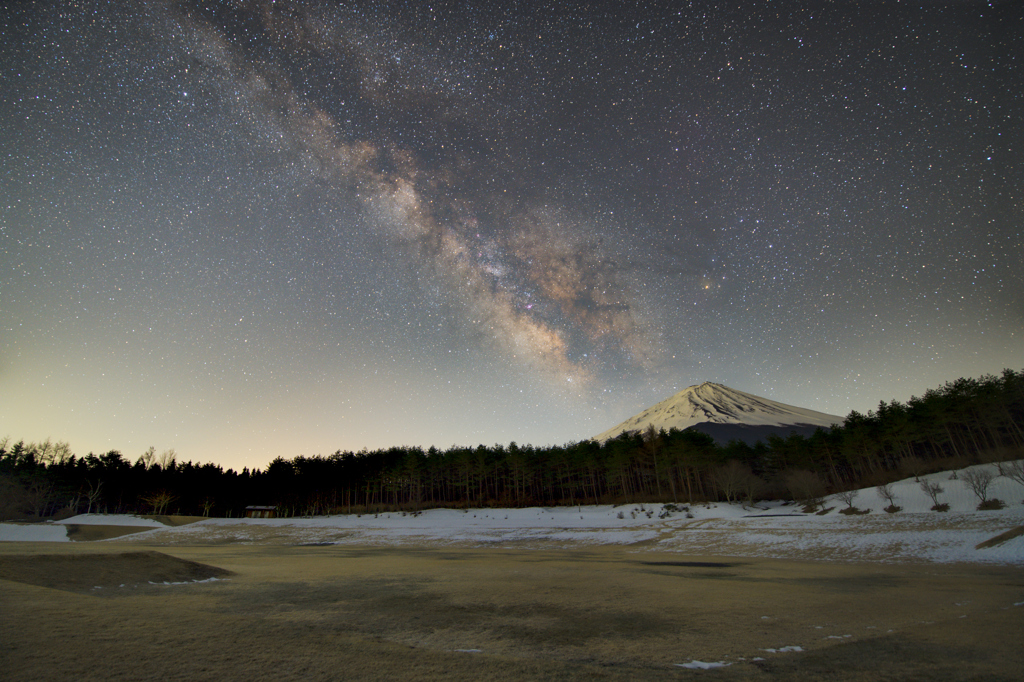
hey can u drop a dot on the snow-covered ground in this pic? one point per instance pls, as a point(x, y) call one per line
point(33, 532)
point(774, 529)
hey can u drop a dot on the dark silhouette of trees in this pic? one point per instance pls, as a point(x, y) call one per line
point(962, 422)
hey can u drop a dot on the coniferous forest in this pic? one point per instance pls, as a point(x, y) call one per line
point(960, 423)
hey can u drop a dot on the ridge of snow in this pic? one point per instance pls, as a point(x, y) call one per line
point(718, 404)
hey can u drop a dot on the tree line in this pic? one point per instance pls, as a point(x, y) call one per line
point(960, 423)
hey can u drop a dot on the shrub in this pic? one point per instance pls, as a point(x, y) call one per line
point(912, 465)
point(886, 493)
point(932, 490)
point(991, 505)
point(892, 509)
point(940, 507)
point(65, 513)
point(1012, 470)
point(847, 496)
point(732, 478)
point(805, 486)
point(853, 511)
point(951, 464)
point(978, 480)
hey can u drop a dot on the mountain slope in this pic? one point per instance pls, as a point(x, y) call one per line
point(724, 413)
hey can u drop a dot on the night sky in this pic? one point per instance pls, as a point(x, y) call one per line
point(251, 229)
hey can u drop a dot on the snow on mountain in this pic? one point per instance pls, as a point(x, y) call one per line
point(711, 407)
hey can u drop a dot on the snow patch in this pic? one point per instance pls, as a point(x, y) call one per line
point(701, 665)
point(186, 582)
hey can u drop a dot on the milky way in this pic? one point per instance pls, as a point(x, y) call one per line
point(245, 229)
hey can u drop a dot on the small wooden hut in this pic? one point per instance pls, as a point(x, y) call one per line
point(256, 511)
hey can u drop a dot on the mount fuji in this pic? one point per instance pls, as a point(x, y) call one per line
point(725, 414)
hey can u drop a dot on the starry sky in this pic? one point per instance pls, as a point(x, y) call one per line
point(251, 229)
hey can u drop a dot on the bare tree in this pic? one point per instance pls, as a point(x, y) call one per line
point(1012, 470)
point(48, 452)
point(912, 465)
point(804, 486)
point(978, 480)
point(207, 506)
point(62, 452)
point(886, 493)
point(848, 496)
point(43, 451)
point(148, 457)
point(93, 494)
point(732, 478)
point(932, 490)
point(167, 458)
point(159, 501)
point(40, 491)
point(753, 487)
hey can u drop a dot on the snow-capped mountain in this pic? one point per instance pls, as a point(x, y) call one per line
point(725, 414)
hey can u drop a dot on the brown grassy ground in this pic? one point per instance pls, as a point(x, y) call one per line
point(92, 533)
point(1001, 538)
point(610, 613)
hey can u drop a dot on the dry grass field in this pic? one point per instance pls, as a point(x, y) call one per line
point(90, 611)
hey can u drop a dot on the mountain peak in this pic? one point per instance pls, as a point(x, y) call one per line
point(711, 403)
